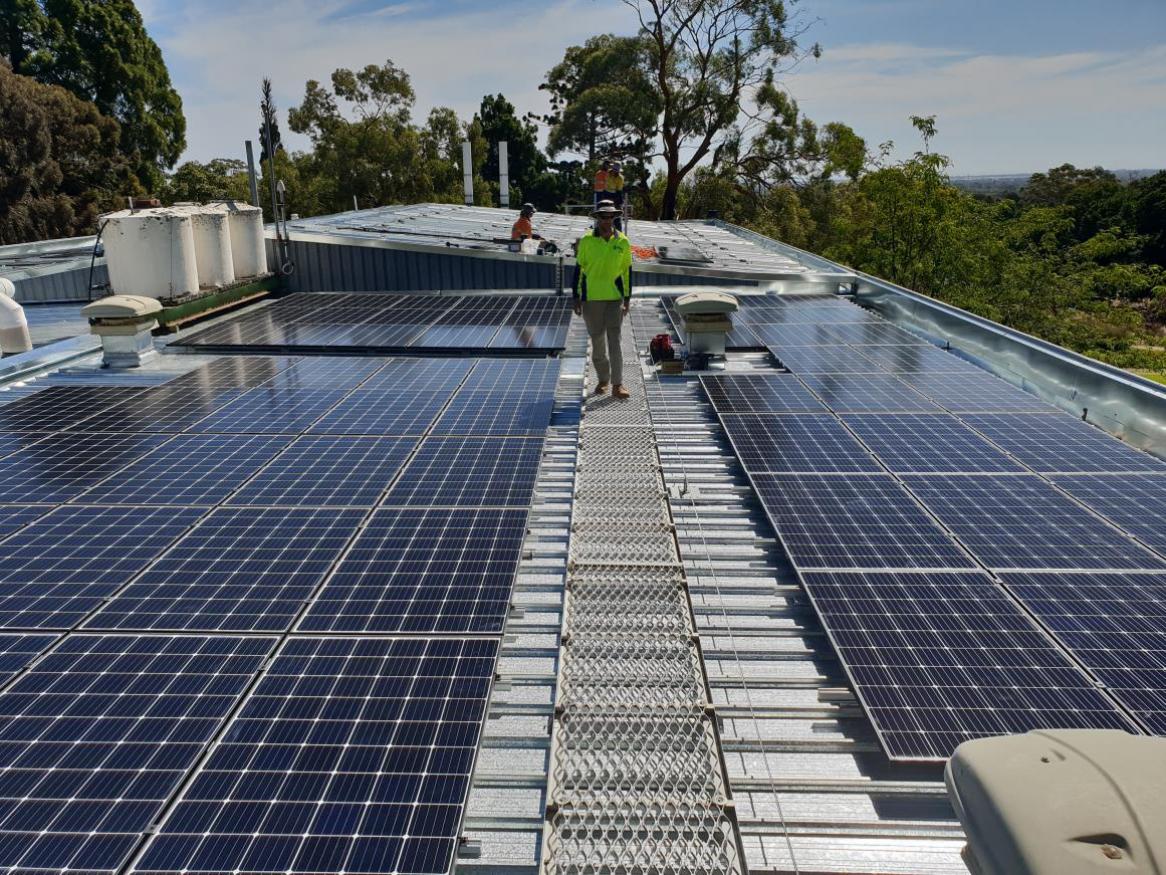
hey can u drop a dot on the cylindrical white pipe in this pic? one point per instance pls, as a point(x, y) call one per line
point(151, 253)
point(468, 172)
point(504, 173)
point(14, 336)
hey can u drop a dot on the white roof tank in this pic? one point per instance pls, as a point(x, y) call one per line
point(151, 253)
point(248, 248)
point(212, 244)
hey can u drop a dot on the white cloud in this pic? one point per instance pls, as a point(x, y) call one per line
point(997, 113)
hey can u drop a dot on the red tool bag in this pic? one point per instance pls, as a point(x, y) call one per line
point(661, 348)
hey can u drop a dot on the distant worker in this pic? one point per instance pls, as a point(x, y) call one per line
point(601, 182)
point(523, 228)
point(603, 294)
point(615, 186)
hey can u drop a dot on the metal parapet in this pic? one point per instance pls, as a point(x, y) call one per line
point(637, 779)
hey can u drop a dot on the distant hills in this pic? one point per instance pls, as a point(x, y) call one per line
point(1004, 183)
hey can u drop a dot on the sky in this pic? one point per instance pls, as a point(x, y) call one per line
point(1017, 85)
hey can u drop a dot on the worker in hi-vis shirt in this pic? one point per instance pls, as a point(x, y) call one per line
point(603, 294)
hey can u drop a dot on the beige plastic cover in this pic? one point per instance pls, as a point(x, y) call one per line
point(706, 302)
point(1062, 802)
point(122, 307)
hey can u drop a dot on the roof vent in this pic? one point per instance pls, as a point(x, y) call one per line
point(124, 323)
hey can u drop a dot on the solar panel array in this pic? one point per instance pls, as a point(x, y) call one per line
point(174, 562)
point(933, 511)
point(387, 323)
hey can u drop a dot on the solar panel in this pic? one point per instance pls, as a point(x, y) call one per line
point(927, 443)
point(856, 393)
point(272, 410)
point(59, 407)
point(100, 733)
point(1057, 442)
point(326, 372)
point(56, 570)
point(535, 323)
point(15, 517)
point(917, 358)
point(941, 658)
point(419, 375)
point(471, 322)
point(424, 570)
point(328, 472)
point(16, 442)
point(972, 392)
point(839, 359)
point(809, 443)
point(760, 393)
point(234, 372)
point(830, 521)
point(484, 413)
point(470, 471)
point(1135, 502)
point(520, 377)
point(797, 335)
point(64, 465)
point(17, 651)
point(240, 570)
point(1022, 522)
point(167, 408)
point(1115, 625)
point(874, 334)
point(192, 469)
point(350, 756)
point(382, 413)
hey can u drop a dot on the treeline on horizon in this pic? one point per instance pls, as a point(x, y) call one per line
point(692, 106)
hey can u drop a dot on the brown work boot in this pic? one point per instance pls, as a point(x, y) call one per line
point(601, 389)
point(621, 391)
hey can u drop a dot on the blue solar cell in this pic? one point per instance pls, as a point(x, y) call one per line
point(760, 393)
point(350, 756)
point(839, 359)
point(434, 376)
point(59, 407)
point(782, 336)
point(1057, 442)
point(192, 469)
point(484, 413)
point(382, 412)
point(1114, 624)
point(272, 411)
point(474, 472)
point(424, 570)
point(808, 443)
point(61, 567)
point(17, 442)
point(167, 408)
point(100, 733)
point(941, 658)
point(326, 372)
point(913, 359)
point(64, 465)
point(832, 521)
point(972, 392)
point(328, 472)
point(234, 372)
point(15, 517)
point(239, 570)
point(533, 377)
point(860, 393)
point(1135, 503)
point(17, 651)
point(874, 334)
point(927, 443)
point(1022, 522)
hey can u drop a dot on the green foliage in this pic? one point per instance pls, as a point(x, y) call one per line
point(217, 179)
point(59, 162)
point(99, 50)
point(527, 164)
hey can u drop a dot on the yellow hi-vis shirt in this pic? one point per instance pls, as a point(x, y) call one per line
point(605, 268)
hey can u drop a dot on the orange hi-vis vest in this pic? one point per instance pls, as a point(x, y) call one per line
point(601, 180)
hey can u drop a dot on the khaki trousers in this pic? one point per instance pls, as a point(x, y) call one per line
point(604, 319)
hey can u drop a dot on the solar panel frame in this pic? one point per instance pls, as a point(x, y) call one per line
point(1135, 503)
point(928, 443)
point(191, 470)
point(19, 649)
point(1022, 522)
point(485, 414)
point(760, 393)
point(1058, 443)
point(978, 392)
point(100, 732)
point(513, 376)
point(421, 570)
point(57, 570)
point(14, 517)
point(327, 471)
point(242, 569)
point(866, 522)
point(807, 443)
point(942, 658)
point(399, 719)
